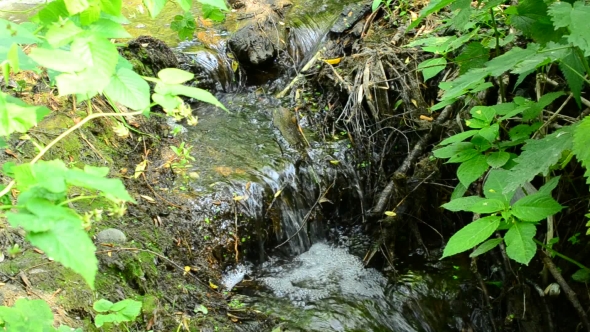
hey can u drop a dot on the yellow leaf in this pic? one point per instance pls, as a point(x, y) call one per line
point(121, 131)
point(187, 269)
point(234, 65)
point(334, 61)
point(212, 285)
point(148, 198)
point(334, 162)
point(414, 102)
point(390, 213)
point(238, 198)
point(140, 168)
point(278, 193)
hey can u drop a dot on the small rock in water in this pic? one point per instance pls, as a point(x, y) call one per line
point(111, 235)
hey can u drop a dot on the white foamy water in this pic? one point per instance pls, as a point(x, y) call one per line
point(321, 272)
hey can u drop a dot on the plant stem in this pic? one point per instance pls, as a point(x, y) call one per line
point(497, 34)
point(64, 134)
point(79, 198)
point(578, 264)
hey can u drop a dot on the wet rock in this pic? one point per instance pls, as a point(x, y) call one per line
point(111, 235)
point(149, 55)
point(260, 36)
point(350, 15)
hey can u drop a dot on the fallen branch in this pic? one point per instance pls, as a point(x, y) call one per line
point(408, 162)
point(569, 293)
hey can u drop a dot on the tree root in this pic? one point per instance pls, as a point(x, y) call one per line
point(571, 295)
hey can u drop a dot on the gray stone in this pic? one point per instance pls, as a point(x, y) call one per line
point(111, 235)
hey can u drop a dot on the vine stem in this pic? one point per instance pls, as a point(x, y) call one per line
point(556, 253)
point(64, 134)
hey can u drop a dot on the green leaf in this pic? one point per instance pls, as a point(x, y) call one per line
point(432, 67)
point(538, 156)
point(489, 205)
point(475, 55)
point(581, 145)
point(91, 14)
point(573, 70)
point(129, 89)
point(458, 137)
point(128, 308)
point(220, 4)
point(452, 150)
point(472, 169)
point(498, 159)
point(76, 6)
point(533, 21)
point(70, 245)
point(536, 108)
point(97, 52)
point(508, 60)
point(17, 118)
point(111, 7)
point(43, 216)
point(519, 242)
point(11, 32)
point(496, 181)
point(184, 4)
point(582, 275)
point(376, 4)
point(87, 83)
point(471, 235)
point(464, 155)
point(433, 6)
point(174, 76)
point(52, 12)
point(548, 187)
point(576, 20)
point(462, 203)
point(490, 133)
point(154, 6)
point(111, 188)
point(27, 315)
point(168, 102)
point(485, 247)
point(59, 60)
point(102, 305)
point(60, 34)
point(523, 131)
point(470, 81)
point(212, 13)
point(199, 94)
point(458, 192)
point(109, 29)
point(535, 207)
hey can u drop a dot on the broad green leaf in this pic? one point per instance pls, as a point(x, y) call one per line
point(433, 6)
point(471, 235)
point(472, 169)
point(212, 13)
point(464, 155)
point(535, 207)
point(523, 131)
point(129, 89)
point(215, 3)
point(109, 29)
point(111, 188)
point(498, 159)
point(13, 59)
point(52, 12)
point(76, 6)
point(510, 59)
point(451, 150)
point(376, 4)
point(187, 91)
point(575, 19)
point(59, 60)
point(102, 305)
point(536, 108)
point(432, 67)
point(531, 18)
point(97, 52)
point(548, 187)
point(581, 145)
point(168, 102)
point(458, 192)
point(111, 7)
point(519, 242)
point(17, 118)
point(490, 133)
point(184, 4)
point(174, 76)
point(485, 247)
point(71, 246)
point(538, 156)
point(42, 216)
point(27, 315)
point(461, 13)
point(128, 308)
point(91, 14)
point(462, 203)
point(87, 83)
point(60, 34)
point(154, 6)
point(458, 137)
point(582, 275)
point(11, 32)
point(475, 55)
point(487, 205)
point(470, 81)
point(496, 180)
point(573, 70)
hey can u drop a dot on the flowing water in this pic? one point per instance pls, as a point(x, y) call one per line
point(316, 281)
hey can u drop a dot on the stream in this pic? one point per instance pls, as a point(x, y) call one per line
point(307, 271)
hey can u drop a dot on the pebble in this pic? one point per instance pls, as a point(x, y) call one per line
point(111, 235)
